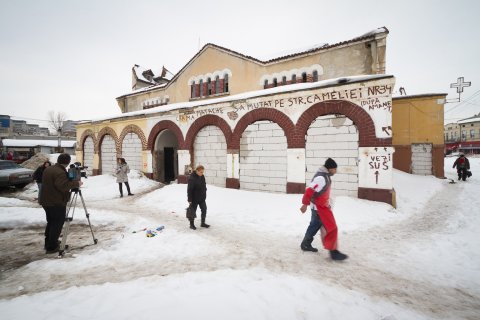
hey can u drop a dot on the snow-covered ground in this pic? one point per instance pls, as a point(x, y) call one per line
point(419, 261)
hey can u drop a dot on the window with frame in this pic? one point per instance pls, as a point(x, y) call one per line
point(304, 77)
point(265, 84)
point(472, 133)
point(209, 86)
point(201, 88)
point(294, 78)
point(315, 76)
point(217, 84)
point(225, 83)
point(275, 82)
point(284, 80)
point(192, 90)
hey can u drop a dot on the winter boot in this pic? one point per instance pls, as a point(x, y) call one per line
point(192, 225)
point(306, 245)
point(204, 225)
point(337, 255)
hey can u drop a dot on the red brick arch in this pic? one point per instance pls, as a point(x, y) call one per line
point(132, 128)
point(263, 114)
point(164, 125)
point(204, 121)
point(87, 133)
point(107, 131)
point(363, 121)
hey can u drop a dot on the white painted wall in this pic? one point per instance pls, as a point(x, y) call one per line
point(263, 158)
point(210, 150)
point(88, 155)
point(422, 159)
point(108, 155)
point(336, 138)
point(132, 151)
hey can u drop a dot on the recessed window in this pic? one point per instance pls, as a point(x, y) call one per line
point(225, 83)
point(315, 76)
point(275, 82)
point(192, 90)
point(201, 88)
point(294, 78)
point(304, 77)
point(217, 84)
point(284, 80)
point(265, 84)
point(209, 86)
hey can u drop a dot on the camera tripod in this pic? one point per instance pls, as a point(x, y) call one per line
point(74, 193)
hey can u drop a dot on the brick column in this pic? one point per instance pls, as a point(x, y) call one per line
point(96, 164)
point(233, 169)
point(296, 170)
point(147, 163)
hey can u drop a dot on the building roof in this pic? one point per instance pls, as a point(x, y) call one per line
point(423, 95)
point(475, 118)
point(37, 143)
point(369, 35)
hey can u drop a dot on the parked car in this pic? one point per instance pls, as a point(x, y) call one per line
point(11, 174)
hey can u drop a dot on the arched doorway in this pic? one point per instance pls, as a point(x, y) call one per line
point(334, 136)
point(165, 157)
point(108, 155)
point(132, 150)
point(210, 150)
point(88, 151)
point(263, 157)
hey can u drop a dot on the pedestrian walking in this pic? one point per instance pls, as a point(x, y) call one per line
point(463, 167)
point(197, 194)
point(317, 195)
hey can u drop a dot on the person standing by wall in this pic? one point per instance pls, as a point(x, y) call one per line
point(54, 198)
point(37, 176)
point(197, 194)
point(317, 195)
point(122, 175)
point(463, 165)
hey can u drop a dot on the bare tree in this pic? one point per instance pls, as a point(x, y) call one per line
point(55, 121)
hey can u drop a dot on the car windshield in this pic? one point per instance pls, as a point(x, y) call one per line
point(8, 165)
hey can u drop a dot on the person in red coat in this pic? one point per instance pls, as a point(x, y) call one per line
point(317, 195)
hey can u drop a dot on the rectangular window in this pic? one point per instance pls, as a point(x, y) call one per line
point(472, 133)
point(192, 90)
point(284, 80)
point(265, 84)
point(201, 88)
point(294, 78)
point(225, 84)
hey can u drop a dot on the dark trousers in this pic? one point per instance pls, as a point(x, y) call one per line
point(462, 173)
point(55, 220)
point(313, 227)
point(203, 208)
point(121, 189)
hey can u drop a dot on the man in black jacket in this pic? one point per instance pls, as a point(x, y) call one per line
point(463, 165)
point(197, 194)
point(54, 198)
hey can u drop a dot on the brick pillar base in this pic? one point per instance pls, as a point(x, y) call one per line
point(381, 195)
point(148, 175)
point(232, 183)
point(295, 187)
point(182, 179)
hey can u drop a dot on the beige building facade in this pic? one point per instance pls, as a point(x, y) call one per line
point(259, 125)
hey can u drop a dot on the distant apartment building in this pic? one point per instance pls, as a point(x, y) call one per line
point(463, 136)
point(5, 126)
point(69, 129)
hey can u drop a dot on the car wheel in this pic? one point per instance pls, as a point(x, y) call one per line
point(20, 186)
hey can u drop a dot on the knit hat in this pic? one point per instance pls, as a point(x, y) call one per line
point(330, 164)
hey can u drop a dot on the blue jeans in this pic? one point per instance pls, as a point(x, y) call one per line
point(313, 227)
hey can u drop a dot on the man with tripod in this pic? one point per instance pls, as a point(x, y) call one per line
point(54, 198)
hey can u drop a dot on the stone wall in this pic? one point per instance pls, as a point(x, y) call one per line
point(132, 151)
point(263, 158)
point(336, 138)
point(210, 150)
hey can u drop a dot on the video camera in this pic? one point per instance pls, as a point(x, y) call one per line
point(77, 171)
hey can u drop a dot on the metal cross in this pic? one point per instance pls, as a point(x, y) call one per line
point(460, 84)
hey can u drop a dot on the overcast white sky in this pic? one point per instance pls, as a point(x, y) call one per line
point(76, 56)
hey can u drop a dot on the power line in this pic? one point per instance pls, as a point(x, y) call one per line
point(464, 101)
